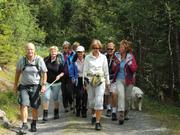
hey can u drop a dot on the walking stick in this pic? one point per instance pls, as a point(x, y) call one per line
point(52, 83)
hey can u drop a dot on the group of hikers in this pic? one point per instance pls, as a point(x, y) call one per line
point(82, 79)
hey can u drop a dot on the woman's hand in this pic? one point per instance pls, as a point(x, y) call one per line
point(59, 76)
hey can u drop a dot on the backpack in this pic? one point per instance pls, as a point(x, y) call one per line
point(25, 64)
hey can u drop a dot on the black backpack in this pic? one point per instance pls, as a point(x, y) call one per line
point(25, 64)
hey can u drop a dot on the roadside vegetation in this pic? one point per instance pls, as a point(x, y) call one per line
point(166, 113)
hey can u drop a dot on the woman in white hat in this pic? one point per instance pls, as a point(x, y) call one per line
point(76, 74)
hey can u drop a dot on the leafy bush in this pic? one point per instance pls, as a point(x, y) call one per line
point(8, 103)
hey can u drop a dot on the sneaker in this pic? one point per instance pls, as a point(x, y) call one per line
point(33, 128)
point(93, 120)
point(114, 117)
point(98, 126)
point(23, 129)
point(108, 114)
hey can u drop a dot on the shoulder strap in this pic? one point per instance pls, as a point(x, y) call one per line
point(24, 63)
point(37, 62)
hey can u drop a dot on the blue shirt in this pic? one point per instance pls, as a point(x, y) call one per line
point(121, 73)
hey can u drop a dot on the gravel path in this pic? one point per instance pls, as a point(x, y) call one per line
point(139, 124)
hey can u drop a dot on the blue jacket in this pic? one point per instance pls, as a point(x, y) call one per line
point(73, 73)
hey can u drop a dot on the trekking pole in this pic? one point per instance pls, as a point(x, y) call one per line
point(52, 83)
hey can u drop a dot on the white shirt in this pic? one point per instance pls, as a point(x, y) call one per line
point(80, 65)
point(96, 65)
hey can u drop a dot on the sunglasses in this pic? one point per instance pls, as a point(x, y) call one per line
point(79, 52)
point(110, 49)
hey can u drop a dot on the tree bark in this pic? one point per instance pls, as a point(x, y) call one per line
point(170, 50)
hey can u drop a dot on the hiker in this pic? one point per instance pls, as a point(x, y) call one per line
point(32, 70)
point(66, 85)
point(111, 94)
point(71, 57)
point(55, 72)
point(76, 74)
point(96, 70)
point(125, 78)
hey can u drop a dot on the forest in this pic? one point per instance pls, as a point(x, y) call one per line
point(153, 27)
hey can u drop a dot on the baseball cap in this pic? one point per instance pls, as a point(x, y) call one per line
point(80, 49)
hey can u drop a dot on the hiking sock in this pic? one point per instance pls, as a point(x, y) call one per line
point(109, 107)
point(114, 110)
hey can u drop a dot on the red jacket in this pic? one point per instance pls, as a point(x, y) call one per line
point(129, 69)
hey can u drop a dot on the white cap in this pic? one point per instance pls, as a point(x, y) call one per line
point(80, 49)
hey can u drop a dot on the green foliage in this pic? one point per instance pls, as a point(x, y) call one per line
point(17, 26)
point(8, 103)
point(168, 114)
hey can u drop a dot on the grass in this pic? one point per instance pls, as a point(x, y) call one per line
point(9, 105)
point(168, 114)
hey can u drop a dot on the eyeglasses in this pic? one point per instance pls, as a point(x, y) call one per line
point(110, 49)
point(95, 48)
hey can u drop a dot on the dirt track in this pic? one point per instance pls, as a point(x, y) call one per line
point(139, 124)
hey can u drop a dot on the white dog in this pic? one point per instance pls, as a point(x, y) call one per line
point(136, 98)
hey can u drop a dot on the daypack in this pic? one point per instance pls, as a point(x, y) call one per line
point(25, 64)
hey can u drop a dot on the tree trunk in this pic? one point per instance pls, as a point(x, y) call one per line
point(170, 50)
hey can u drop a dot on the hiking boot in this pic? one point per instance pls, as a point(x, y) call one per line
point(114, 117)
point(84, 113)
point(93, 120)
point(121, 117)
point(33, 127)
point(45, 115)
point(121, 122)
point(23, 129)
point(126, 115)
point(56, 114)
point(104, 106)
point(98, 126)
point(108, 113)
